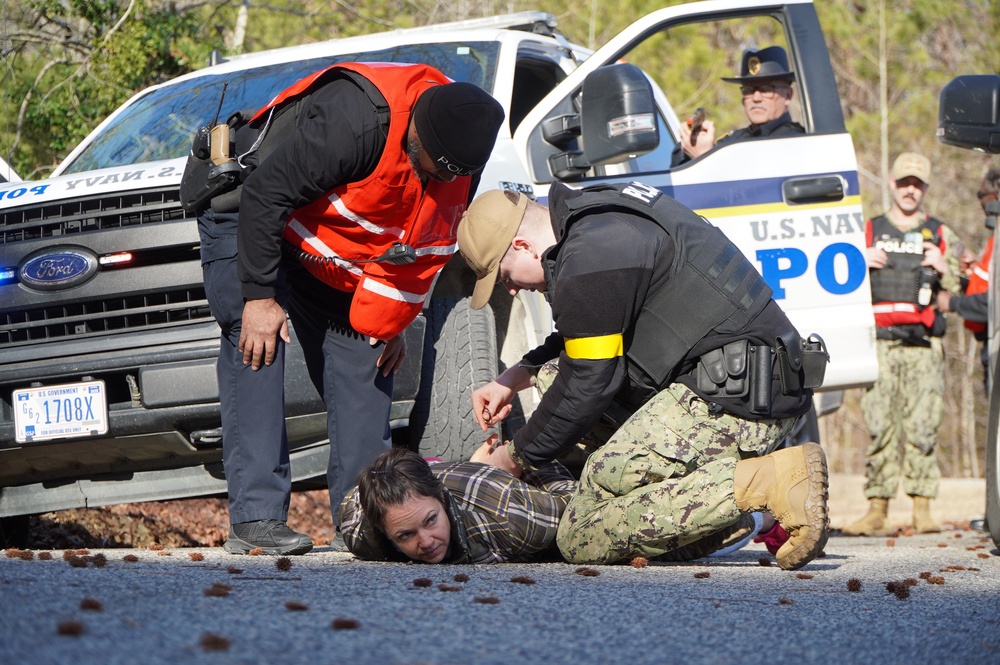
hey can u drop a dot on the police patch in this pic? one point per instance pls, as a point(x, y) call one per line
point(641, 192)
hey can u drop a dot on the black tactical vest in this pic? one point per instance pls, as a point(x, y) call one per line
point(711, 285)
point(900, 279)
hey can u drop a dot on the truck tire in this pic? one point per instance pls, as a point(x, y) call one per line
point(459, 355)
point(993, 459)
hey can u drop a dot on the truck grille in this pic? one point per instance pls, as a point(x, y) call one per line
point(108, 315)
point(122, 312)
point(64, 218)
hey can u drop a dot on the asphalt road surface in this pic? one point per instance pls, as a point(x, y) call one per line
point(205, 606)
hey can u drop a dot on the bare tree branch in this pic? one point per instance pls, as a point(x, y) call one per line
point(114, 28)
point(42, 37)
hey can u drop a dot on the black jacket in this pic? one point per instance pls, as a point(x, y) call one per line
point(338, 138)
point(601, 274)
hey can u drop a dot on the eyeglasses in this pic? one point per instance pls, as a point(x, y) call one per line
point(765, 89)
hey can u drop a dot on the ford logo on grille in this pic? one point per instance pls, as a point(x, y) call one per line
point(60, 268)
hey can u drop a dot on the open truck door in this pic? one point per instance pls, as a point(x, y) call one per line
point(791, 203)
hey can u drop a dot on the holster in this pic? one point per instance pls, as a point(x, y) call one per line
point(738, 369)
point(801, 362)
point(206, 183)
point(723, 371)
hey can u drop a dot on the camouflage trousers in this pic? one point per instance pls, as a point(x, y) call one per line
point(903, 411)
point(663, 480)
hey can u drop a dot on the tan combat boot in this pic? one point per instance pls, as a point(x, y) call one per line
point(874, 523)
point(792, 485)
point(922, 520)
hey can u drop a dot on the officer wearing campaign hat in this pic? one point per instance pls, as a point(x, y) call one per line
point(766, 87)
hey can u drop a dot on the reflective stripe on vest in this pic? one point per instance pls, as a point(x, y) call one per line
point(888, 314)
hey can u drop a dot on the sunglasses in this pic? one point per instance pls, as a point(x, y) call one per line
point(765, 89)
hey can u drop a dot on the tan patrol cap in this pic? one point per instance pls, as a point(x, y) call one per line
point(484, 236)
point(911, 164)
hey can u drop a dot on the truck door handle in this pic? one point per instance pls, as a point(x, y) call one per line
point(813, 190)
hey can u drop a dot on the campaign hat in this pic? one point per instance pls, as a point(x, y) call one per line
point(766, 64)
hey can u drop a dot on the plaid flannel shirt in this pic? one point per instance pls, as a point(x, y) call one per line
point(495, 517)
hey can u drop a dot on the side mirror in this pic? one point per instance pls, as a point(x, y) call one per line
point(969, 115)
point(618, 117)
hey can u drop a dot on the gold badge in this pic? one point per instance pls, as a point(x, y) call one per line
point(753, 65)
point(926, 233)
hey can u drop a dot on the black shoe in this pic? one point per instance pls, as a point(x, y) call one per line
point(338, 544)
point(271, 536)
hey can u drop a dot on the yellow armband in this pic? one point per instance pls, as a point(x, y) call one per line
point(595, 348)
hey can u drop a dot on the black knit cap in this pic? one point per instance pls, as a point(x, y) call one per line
point(457, 124)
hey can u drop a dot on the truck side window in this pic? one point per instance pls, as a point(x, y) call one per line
point(534, 77)
point(689, 63)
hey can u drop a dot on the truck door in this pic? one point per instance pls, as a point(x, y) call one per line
point(790, 202)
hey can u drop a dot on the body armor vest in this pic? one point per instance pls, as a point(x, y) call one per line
point(711, 285)
point(896, 288)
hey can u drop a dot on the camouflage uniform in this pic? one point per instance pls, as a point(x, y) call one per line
point(904, 409)
point(669, 468)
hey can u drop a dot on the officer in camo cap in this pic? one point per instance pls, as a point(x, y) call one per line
point(661, 319)
point(911, 257)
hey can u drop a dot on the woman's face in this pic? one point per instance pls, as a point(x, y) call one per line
point(420, 528)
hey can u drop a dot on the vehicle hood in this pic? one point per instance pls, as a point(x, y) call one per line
point(92, 183)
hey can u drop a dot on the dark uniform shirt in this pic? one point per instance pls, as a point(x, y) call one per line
point(782, 126)
point(338, 139)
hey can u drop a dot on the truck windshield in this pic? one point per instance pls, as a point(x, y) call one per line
point(161, 124)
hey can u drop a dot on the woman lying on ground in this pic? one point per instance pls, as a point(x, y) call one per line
point(406, 509)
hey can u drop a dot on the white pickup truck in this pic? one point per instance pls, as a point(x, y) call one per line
point(107, 347)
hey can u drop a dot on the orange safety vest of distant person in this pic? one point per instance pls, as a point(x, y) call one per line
point(979, 282)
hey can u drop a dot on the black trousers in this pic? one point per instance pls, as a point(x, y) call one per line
point(341, 364)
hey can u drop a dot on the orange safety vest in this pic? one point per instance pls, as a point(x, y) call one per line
point(361, 220)
point(979, 282)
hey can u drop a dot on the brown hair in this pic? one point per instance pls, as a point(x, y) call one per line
point(392, 478)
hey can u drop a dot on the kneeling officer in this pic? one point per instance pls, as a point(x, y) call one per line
point(657, 312)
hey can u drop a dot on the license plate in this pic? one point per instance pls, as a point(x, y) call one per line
point(60, 412)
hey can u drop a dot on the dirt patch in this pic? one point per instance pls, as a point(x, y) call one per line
point(182, 523)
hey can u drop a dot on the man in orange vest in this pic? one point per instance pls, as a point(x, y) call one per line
point(349, 213)
point(911, 255)
point(974, 305)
